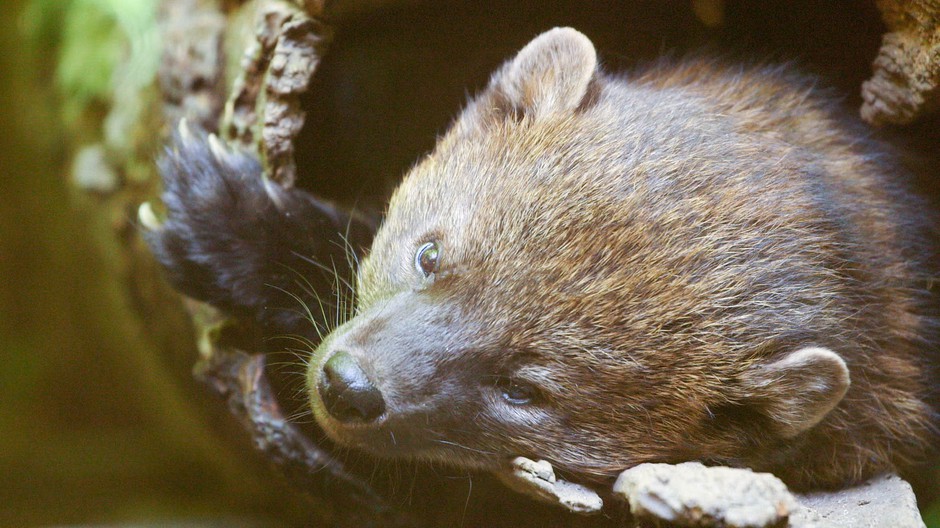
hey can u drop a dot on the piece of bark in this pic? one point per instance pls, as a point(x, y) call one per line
point(263, 112)
point(536, 479)
point(906, 80)
point(343, 498)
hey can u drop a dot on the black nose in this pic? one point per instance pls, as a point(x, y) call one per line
point(347, 391)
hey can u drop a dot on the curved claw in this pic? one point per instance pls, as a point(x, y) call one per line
point(147, 218)
point(218, 149)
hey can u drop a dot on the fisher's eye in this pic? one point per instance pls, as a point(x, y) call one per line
point(426, 258)
point(517, 392)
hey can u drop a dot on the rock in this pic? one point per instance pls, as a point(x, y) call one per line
point(805, 517)
point(886, 500)
point(691, 494)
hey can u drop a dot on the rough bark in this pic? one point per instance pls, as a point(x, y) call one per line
point(263, 111)
point(906, 80)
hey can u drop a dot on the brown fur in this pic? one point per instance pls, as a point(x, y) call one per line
point(694, 262)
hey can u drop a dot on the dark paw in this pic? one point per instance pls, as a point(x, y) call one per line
point(243, 243)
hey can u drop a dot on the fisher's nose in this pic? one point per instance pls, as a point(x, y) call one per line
point(347, 392)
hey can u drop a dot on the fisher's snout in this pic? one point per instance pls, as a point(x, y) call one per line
point(348, 394)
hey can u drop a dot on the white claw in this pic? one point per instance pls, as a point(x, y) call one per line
point(273, 191)
point(184, 131)
point(148, 218)
point(217, 147)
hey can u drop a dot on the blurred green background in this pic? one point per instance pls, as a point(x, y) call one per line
point(100, 421)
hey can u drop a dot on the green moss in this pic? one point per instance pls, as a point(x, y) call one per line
point(104, 46)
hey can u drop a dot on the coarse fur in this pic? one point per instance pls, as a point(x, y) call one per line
point(694, 261)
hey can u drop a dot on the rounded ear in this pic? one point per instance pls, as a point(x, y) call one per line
point(799, 390)
point(550, 75)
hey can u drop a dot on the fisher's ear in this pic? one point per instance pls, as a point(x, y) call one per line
point(797, 391)
point(552, 74)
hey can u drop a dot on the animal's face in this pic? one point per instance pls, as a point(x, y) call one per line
point(525, 298)
point(490, 319)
